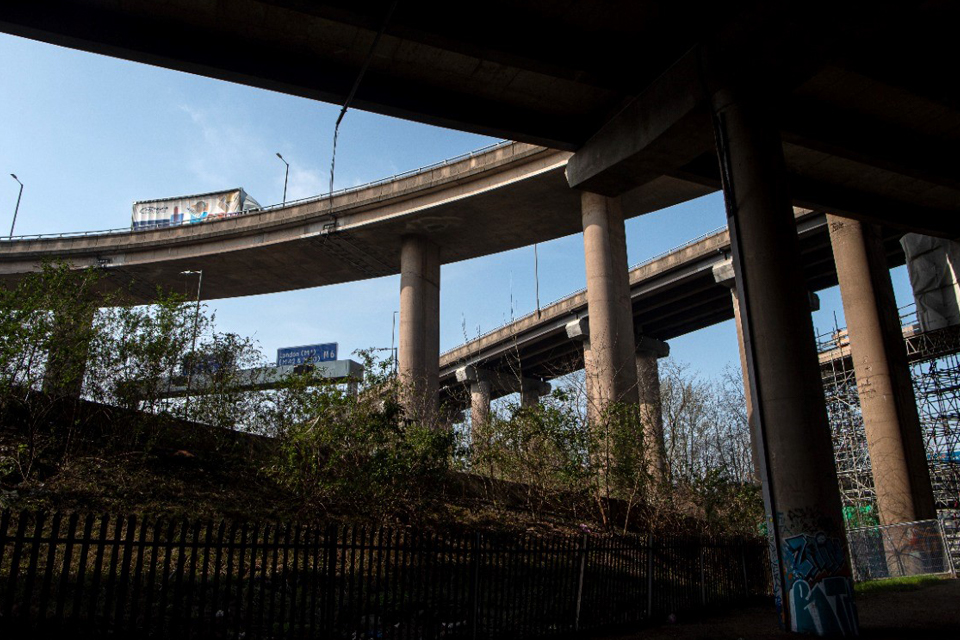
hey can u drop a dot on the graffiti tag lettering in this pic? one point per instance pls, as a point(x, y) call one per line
point(827, 608)
point(812, 557)
point(820, 597)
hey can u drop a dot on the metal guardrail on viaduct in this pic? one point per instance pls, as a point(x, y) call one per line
point(507, 196)
point(497, 198)
point(672, 294)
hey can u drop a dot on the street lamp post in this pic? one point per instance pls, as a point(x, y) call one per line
point(17, 209)
point(196, 328)
point(286, 174)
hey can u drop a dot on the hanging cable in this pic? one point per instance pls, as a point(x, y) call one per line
point(353, 89)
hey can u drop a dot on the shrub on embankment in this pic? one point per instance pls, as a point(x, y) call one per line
point(85, 424)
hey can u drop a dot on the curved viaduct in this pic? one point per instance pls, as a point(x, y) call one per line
point(509, 196)
point(772, 102)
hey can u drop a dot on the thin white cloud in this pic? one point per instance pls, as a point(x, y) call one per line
point(305, 183)
point(221, 151)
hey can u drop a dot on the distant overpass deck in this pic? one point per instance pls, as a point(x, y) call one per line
point(501, 198)
point(672, 295)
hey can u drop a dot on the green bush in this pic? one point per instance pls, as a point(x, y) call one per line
point(358, 453)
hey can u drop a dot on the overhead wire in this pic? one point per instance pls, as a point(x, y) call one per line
point(356, 85)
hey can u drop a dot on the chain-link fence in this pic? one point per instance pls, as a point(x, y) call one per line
point(899, 550)
point(950, 523)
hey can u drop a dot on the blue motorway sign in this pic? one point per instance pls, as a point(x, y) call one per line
point(307, 354)
point(201, 363)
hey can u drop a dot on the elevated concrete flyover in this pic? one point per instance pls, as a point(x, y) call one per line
point(849, 108)
point(868, 116)
point(501, 198)
point(672, 295)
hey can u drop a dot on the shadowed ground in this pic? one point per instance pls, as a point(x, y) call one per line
point(929, 608)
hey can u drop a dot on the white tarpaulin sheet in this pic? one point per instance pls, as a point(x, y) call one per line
point(933, 264)
point(191, 209)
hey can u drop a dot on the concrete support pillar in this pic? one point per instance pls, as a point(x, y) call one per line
point(723, 274)
point(811, 568)
point(579, 330)
point(530, 397)
point(479, 406)
point(419, 336)
point(531, 390)
point(611, 367)
point(649, 351)
point(894, 439)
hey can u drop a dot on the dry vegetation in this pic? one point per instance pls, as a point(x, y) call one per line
point(310, 450)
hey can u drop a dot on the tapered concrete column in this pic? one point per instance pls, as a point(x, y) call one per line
point(811, 569)
point(612, 368)
point(419, 349)
point(898, 458)
point(649, 351)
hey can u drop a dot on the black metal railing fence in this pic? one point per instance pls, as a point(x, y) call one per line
point(130, 577)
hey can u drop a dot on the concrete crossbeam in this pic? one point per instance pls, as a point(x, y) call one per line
point(651, 347)
point(502, 382)
point(662, 128)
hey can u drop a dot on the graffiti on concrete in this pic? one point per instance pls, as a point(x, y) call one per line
point(811, 557)
point(820, 596)
point(770, 530)
point(826, 608)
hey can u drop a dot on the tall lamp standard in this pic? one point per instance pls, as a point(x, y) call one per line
point(286, 174)
point(17, 209)
point(196, 327)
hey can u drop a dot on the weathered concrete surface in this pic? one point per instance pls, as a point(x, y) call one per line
point(891, 422)
point(418, 354)
point(649, 351)
point(479, 408)
point(789, 421)
point(663, 126)
point(532, 390)
point(612, 371)
point(502, 382)
point(724, 274)
point(671, 295)
point(869, 123)
point(508, 197)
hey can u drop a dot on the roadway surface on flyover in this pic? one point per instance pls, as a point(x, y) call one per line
point(509, 196)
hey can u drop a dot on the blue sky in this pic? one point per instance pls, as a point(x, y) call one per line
point(88, 135)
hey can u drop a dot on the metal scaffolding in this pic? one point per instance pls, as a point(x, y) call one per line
point(935, 367)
